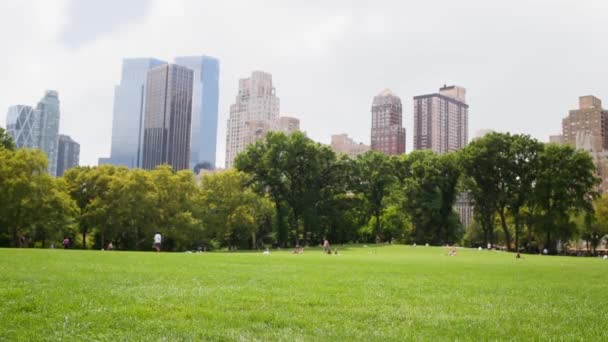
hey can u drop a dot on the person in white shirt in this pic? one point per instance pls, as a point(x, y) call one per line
point(158, 239)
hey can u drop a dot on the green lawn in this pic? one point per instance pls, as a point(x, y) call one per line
point(384, 293)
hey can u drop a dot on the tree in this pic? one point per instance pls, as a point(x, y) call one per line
point(176, 206)
point(233, 213)
point(31, 201)
point(429, 194)
point(500, 171)
point(374, 178)
point(295, 172)
point(564, 187)
point(596, 226)
point(6, 141)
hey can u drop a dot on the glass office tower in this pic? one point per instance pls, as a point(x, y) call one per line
point(205, 97)
point(127, 124)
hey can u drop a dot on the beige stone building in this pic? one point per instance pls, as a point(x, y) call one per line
point(255, 101)
point(258, 129)
point(342, 143)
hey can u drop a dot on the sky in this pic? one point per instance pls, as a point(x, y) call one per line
point(524, 63)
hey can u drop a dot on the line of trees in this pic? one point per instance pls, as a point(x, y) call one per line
point(289, 190)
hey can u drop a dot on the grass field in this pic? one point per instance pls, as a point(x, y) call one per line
point(383, 293)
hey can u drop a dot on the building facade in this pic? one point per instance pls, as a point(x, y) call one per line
point(168, 116)
point(441, 120)
point(589, 119)
point(68, 155)
point(586, 128)
point(49, 115)
point(258, 129)
point(342, 143)
point(464, 208)
point(256, 101)
point(128, 115)
point(205, 97)
point(388, 133)
point(556, 139)
point(23, 125)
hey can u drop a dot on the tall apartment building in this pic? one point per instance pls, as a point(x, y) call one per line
point(23, 125)
point(586, 128)
point(68, 155)
point(589, 119)
point(342, 143)
point(168, 116)
point(256, 100)
point(388, 133)
point(205, 97)
point(258, 129)
point(441, 120)
point(49, 115)
point(128, 116)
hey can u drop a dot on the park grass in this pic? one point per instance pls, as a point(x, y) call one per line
point(375, 293)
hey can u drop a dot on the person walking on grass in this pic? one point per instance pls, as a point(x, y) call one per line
point(158, 239)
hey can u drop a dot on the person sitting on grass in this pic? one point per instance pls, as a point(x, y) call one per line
point(452, 252)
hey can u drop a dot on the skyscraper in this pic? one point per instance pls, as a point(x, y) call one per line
point(68, 155)
point(441, 120)
point(205, 97)
point(23, 125)
point(388, 133)
point(48, 112)
point(127, 124)
point(168, 116)
point(256, 100)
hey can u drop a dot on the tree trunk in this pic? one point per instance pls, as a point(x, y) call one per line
point(378, 227)
point(516, 233)
point(503, 222)
point(84, 239)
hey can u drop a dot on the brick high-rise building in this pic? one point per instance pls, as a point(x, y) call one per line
point(586, 128)
point(256, 100)
point(168, 117)
point(441, 120)
point(589, 119)
point(388, 133)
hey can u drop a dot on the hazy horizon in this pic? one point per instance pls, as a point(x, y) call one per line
point(523, 63)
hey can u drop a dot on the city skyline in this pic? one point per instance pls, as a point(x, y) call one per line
point(521, 73)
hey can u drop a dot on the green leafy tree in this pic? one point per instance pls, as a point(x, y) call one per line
point(295, 171)
point(429, 195)
point(373, 180)
point(6, 141)
point(31, 202)
point(176, 207)
point(233, 213)
point(564, 187)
